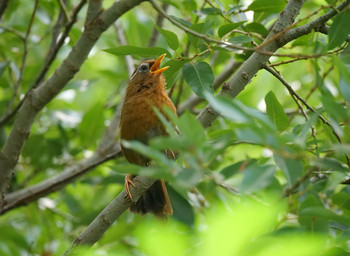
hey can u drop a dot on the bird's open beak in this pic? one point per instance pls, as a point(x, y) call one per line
point(155, 67)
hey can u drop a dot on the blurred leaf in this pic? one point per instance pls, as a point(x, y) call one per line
point(275, 111)
point(208, 11)
point(170, 37)
point(199, 76)
point(257, 177)
point(272, 6)
point(292, 168)
point(329, 164)
point(138, 51)
point(3, 66)
point(224, 29)
point(324, 213)
point(183, 211)
point(92, 125)
point(339, 29)
point(236, 168)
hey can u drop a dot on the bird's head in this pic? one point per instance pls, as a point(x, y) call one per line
point(148, 71)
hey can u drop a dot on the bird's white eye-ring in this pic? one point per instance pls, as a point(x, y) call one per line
point(144, 67)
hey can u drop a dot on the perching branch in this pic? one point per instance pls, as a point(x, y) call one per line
point(112, 212)
point(37, 98)
point(108, 149)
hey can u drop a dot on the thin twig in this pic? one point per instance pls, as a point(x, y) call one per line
point(159, 22)
point(129, 61)
point(64, 9)
point(294, 93)
point(48, 61)
point(24, 60)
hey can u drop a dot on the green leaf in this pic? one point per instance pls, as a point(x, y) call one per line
point(236, 168)
point(291, 168)
point(241, 39)
point(257, 177)
point(224, 29)
point(199, 77)
point(170, 37)
point(92, 125)
point(202, 28)
point(172, 73)
point(271, 6)
point(275, 111)
point(329, 163)
point(256, 27)
point(183, 211)
point(138, 51)
point(339, 29)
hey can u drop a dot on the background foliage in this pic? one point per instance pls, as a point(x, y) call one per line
point(265, 179)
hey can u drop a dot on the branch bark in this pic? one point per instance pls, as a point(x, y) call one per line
point(30, 194)
point(112, 212)
point(37, 98)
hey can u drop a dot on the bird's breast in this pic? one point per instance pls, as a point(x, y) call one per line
point(139, 120)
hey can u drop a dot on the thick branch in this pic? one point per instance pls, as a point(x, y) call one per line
point(40, 96)
point(315, 24)
point(30, 194)
point(254, 63)
point(112, 212)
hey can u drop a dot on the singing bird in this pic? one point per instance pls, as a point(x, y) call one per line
point(145, 91)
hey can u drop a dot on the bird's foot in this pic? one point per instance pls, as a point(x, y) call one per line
point(127, 182)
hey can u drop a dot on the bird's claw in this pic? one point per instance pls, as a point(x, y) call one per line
point(127, 182)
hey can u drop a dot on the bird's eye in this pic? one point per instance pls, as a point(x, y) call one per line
point(144, 67)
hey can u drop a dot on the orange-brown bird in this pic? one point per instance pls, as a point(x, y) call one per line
point(145, 91)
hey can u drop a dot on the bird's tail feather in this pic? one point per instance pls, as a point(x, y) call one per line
point(154, 200)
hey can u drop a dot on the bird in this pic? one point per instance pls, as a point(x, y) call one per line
point(139, 121)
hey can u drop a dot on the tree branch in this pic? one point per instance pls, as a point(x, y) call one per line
point(159, 22)
point(55, 46)
point(315, 24)
point(122, 41)
point(37, 98)
point(296, 95)
point(254, 63)
point(30, 194)
point(112, 212)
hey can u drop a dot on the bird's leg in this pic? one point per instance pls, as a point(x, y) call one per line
point(127, 188)
point(169, 153)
